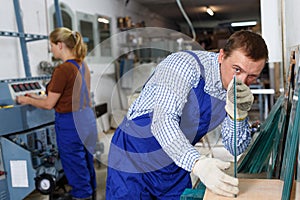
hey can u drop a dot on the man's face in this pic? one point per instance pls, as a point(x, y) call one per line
point(237, 63)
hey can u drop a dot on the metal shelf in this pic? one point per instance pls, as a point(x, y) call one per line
point(26, 37)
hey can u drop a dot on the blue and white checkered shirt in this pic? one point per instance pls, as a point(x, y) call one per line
point(165, 94)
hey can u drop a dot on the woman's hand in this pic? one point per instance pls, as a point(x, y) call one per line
point(22, 100)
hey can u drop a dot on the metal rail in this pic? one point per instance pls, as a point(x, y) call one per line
point(25, 37)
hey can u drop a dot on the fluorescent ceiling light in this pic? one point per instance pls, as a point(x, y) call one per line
point(103, 20)
point(210, 11)
point(249, 23)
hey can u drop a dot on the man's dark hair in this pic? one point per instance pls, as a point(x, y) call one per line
point(252, 44)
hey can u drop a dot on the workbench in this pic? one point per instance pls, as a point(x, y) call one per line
point(256, 189)
point(266, 189)
point(250, 189)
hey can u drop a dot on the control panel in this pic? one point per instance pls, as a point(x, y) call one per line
point(23, 88)
point(10, 89)
point(16, 117)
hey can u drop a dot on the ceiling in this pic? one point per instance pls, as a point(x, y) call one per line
point(226, 11)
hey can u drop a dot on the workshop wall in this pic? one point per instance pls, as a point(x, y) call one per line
point(291, 26)
point(36, 20)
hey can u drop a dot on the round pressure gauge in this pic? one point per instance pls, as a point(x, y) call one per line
point(45, 183)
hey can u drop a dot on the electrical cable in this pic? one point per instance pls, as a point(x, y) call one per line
point(187, 19)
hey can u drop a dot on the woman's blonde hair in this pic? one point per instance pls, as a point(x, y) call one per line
point(72, 39)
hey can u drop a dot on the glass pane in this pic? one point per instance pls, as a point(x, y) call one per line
point(104, 35)
point(87, 34)
point(66, 19)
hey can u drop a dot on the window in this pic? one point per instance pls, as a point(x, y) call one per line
point(66, 14)
point(104, 35)
point(94, 28)
point(66, 19)
point(86, 30)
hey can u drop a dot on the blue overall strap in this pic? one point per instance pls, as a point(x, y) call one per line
point(198, 61)
point(84, 89)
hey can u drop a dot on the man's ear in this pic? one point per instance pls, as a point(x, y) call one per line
point(221, 56)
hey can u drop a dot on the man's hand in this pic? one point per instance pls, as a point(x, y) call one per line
point(244, 100)
point(209, 170)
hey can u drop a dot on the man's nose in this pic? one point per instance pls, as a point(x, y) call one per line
point(243, 78)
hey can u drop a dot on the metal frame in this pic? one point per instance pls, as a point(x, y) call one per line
point(24, 37)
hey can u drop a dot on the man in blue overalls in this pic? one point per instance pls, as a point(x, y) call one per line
point(152, 152)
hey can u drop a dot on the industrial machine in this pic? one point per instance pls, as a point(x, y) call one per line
point(29, 158)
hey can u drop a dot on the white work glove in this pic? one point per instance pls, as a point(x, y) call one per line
point(244, 100)
point(209, 170)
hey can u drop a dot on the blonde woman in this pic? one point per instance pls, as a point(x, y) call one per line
point(75, 125)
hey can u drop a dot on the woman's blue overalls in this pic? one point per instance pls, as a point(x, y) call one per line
point(138, 168)
point(75, 154)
